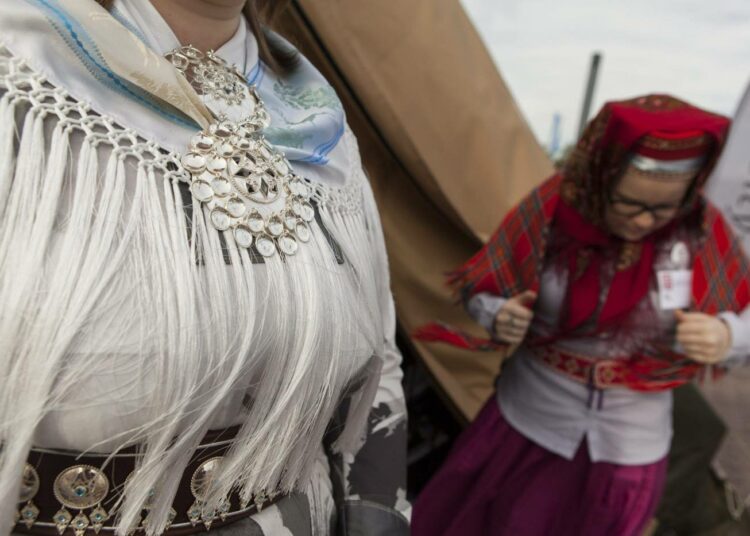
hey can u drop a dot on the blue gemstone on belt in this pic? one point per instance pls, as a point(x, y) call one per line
point(80, 491)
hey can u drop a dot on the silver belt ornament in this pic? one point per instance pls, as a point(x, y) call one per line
point(28, 512)
point(200, 485)
point(81, 487)
point(84, 487)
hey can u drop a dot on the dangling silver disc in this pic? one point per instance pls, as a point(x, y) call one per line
point(275, 226)
point(217, 165)
point(221, 187)
point(243, 144)
point(220, 219)
point(265, 246)
point(303, 231)
point(236, 207)
point(290, 221)
point(202, 191)
point(243, 236)
point(226, 149)
point(223, 130)
point(255, 222)
point(307, 212)
point(288, 245)
point(194, 162)
point(203, 142)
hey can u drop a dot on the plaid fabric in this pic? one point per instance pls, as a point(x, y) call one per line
point(721, 273)
point(508, 264)
point(511, 261)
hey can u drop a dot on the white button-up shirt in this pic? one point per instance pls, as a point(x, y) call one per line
point(621, 425)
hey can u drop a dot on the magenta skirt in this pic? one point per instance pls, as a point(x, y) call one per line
point(496, 482)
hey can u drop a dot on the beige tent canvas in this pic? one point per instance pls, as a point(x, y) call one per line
point(444, 143)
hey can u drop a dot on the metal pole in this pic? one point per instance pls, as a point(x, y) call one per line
point(596, 58)
point(554, 139)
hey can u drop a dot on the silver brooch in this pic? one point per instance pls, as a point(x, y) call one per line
point(247, 186)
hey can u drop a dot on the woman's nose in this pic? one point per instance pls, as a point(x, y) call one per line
point(644, 221)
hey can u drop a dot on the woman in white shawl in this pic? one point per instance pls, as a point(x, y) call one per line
point(196, 326)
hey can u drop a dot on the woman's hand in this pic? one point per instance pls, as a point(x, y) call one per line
point(514, 318)
point(705, 338)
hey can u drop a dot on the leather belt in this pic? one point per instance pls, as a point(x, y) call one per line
point(66, 493)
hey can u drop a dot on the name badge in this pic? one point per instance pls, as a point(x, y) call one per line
point(675, 288)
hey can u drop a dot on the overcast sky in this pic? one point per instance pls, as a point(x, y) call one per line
point(696, 49)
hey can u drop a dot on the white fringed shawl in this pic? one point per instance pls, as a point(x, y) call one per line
point(92, 217)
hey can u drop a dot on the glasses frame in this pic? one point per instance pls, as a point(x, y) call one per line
point(641, 207)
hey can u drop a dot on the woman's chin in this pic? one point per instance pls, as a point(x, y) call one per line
point(632, 236)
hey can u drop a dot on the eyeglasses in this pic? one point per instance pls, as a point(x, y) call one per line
point(631, 208)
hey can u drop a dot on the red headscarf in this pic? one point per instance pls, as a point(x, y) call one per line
point(572, 204)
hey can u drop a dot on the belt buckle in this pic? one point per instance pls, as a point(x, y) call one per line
point(604, 373)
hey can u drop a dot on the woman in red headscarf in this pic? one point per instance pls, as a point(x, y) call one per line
point(616, 281)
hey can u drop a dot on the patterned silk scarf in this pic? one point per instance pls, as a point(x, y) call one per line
point(124, 68)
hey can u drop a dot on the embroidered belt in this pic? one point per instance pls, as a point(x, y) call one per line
point(65, 493)
point(601, 373)
point(638, 372)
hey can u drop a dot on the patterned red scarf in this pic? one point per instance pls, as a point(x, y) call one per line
point(512, 259)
